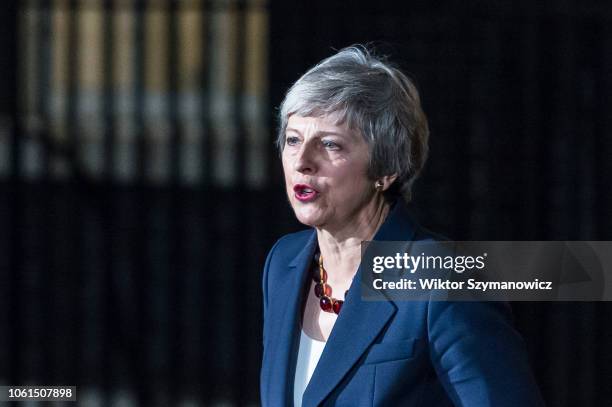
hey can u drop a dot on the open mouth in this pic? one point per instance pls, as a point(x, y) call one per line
point(304, 192)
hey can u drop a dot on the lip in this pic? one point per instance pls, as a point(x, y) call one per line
point(305, 192)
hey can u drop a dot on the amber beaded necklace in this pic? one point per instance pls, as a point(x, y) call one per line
point(323, 291)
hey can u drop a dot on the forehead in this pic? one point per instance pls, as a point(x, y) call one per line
point(323, 124)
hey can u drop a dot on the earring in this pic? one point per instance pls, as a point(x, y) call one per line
point(379, 185)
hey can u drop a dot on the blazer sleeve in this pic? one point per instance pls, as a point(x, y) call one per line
point(478, 355)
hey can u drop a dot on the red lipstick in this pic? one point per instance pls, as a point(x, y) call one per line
point(305, 192)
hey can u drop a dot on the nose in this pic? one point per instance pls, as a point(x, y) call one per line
point(304, 160)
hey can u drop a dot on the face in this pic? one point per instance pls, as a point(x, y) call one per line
point(325, 168)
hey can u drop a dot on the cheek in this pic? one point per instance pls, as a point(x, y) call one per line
point(360, 187)
point(350, 190)
point(284, 162)
point(286, 167)
point(354, 178)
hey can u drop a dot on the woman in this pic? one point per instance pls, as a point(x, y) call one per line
point(353, 139)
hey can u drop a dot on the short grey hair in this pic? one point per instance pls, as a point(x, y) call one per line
point(373, 97)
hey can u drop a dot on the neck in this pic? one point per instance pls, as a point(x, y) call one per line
point(341, 248)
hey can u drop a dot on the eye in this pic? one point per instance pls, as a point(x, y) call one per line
point(330, 145)
point(292, 140)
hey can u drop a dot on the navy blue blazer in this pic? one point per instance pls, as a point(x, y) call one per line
point(386, 353)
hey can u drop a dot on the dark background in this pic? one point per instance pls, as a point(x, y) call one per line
point(150, 293)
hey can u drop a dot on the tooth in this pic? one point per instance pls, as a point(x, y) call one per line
point(307, 190)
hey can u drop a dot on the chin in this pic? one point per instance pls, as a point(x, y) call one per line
point(307, 220)
point(307, 217)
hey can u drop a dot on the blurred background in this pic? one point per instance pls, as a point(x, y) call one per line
point(140, 189)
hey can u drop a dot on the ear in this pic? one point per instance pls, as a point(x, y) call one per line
point(387, 181)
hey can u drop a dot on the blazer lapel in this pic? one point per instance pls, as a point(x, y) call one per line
point(286, 309)
point(359, 323)
point(356, 328)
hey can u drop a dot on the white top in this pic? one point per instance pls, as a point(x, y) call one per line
point(308, 357)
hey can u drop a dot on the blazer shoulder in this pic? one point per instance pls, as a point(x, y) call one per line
point(288, 246)
point(423, 234)
point(296, 237)
point(281, 254)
